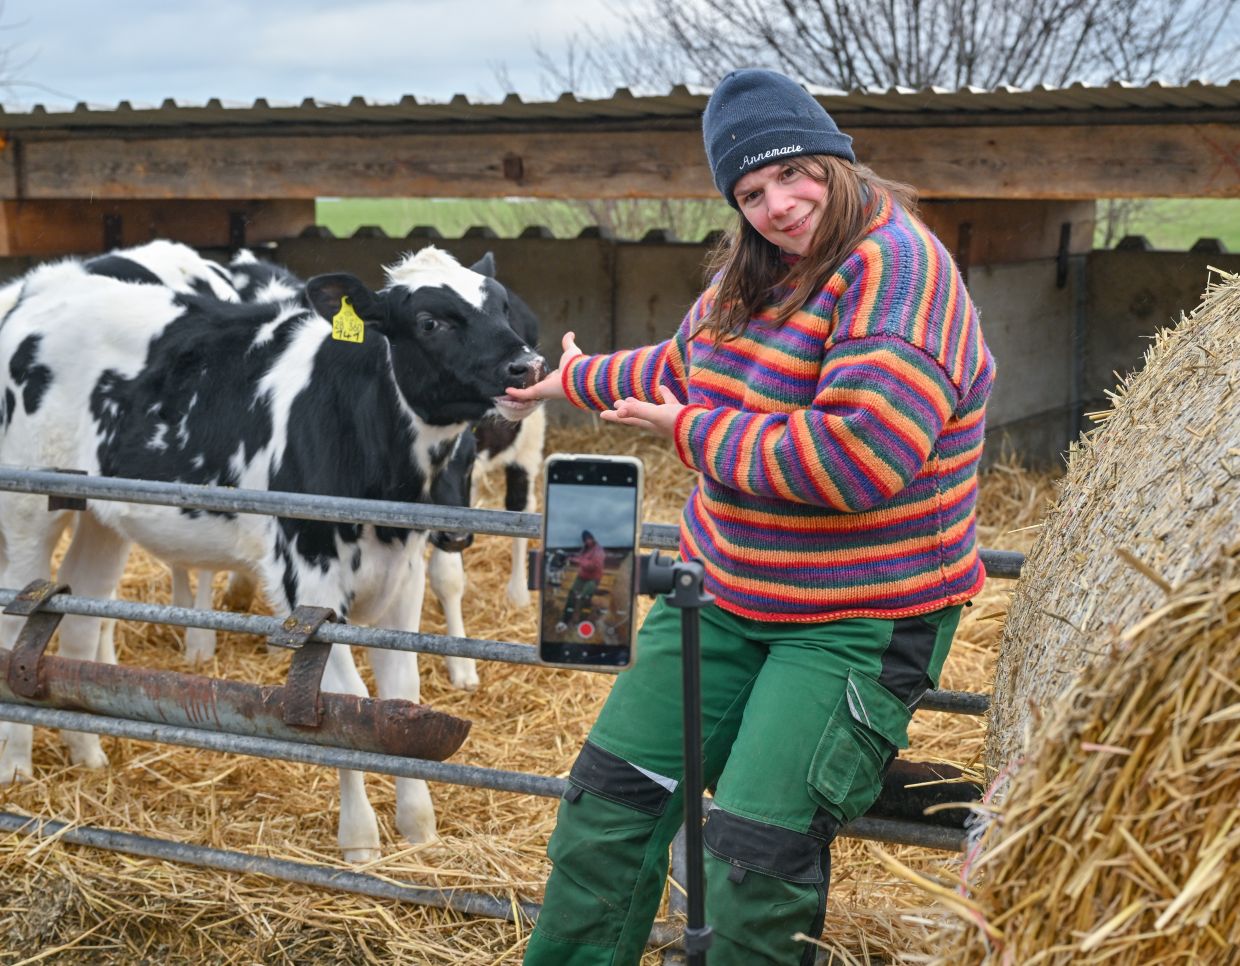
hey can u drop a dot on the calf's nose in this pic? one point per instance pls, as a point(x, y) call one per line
point(529, 369)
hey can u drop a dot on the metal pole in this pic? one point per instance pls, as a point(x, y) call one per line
point(327, 756)
point(892, 831)
point(300, 506)
point(697, 932)
point(303, 873)
point(688, 594)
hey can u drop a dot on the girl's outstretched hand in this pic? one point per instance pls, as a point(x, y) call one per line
point(658, 418)
point(549, 386)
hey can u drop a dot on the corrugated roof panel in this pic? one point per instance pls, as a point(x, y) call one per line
point(681, 102)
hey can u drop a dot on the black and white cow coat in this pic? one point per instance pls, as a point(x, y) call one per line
point(122, 378)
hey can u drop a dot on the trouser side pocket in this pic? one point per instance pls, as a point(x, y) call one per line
point(868, 725)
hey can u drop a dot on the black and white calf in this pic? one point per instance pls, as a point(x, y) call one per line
point(495, 444)
point(121, 378)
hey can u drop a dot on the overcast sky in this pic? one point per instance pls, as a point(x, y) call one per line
point(606, 511)
point(60, 52)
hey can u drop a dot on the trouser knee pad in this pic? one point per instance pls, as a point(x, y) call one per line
point(765, 883)
point(609, 851)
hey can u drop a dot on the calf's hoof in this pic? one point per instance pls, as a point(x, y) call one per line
point(361, 856)
point(463, 678)
point(518, 594)
point(415, 815)
point(86, 751)
point(418, 832)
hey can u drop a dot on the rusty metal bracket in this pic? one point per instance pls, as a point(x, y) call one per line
point(302, 705)
point(26, 674)
point(55, 502)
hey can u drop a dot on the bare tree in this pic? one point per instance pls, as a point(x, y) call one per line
point(1115, 218)
point(12, 64)
point(909, 43)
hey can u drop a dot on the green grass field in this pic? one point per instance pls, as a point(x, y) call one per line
point(1171, 224)
point(1174, 224)
point(689, 220)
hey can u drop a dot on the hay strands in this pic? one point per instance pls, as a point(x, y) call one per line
point(1122, 823)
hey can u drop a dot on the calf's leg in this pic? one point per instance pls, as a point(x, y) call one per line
point(447, 578)
point(396, 675)
point(30, 535)
point(92, 567)
point(519, 477)
point(358, 831)
point(200, 641)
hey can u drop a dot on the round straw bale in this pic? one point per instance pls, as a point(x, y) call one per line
point(1119, 837)
point(1149, 498)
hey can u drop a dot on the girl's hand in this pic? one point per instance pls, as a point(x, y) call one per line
point(550, 386)
point(658, 418)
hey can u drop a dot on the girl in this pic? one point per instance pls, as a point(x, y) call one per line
point(829, 388)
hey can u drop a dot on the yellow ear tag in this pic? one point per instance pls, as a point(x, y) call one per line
point(347, 325)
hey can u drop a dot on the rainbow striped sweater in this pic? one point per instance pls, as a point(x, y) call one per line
point(837, 454)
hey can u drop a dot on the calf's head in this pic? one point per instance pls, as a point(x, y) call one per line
point(453, 351)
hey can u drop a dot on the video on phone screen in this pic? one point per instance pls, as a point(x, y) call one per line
point(588, 559)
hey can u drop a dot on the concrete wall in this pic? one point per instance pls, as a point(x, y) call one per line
point(1028, 322)
point(1130, 296)
point(1057, 329)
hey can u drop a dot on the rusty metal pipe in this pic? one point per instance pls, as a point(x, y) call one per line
point(388, 726)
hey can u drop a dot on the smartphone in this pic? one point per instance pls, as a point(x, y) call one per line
point(589, 568)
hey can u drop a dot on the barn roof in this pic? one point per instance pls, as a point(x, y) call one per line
point(1078, 103)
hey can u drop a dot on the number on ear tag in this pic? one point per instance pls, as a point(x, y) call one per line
point(347, 325)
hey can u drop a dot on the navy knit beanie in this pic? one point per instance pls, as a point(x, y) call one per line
point(756, 117)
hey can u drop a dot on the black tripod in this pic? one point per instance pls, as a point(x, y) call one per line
point(681, 584)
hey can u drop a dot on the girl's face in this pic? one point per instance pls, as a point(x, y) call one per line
point(783, 205)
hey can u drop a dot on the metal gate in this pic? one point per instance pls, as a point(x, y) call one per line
point(349, 741)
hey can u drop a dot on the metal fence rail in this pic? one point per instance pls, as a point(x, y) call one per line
point(894, 831)
point(335, 509)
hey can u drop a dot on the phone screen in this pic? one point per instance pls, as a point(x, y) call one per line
point(589, 560)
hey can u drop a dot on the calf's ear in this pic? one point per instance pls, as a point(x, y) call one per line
point(326, 294)
point(485, 265)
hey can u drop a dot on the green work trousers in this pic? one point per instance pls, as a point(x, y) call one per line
point(579, 596)
point(799, 724)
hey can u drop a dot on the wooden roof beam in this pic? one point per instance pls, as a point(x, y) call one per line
point(1003, 161)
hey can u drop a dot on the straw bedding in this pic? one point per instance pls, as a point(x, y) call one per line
point(62, 903)
point(1115, 731)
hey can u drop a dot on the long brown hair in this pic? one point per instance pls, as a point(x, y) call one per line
point(750, 267)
